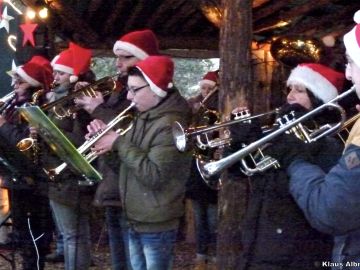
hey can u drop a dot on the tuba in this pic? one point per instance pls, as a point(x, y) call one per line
point(85, 148)
point(65, 107)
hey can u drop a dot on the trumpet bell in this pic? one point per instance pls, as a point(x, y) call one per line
point(213, 181)
point(180, 137)
point(25, 144)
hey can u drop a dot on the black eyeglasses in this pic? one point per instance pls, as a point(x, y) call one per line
point(134, 90)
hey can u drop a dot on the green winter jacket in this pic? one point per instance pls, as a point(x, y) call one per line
point(153, 172)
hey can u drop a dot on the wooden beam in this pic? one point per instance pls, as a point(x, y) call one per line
point(120, 8)
point(290, 14)
point(73, 22)
point(325, 24)
point(139, 14)
point(93, 7)
point(164, 11)
point(268, 9)
point(189, 42)
point(180, 53)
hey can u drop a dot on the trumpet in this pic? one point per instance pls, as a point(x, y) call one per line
point(5, 102)
point(64, 107)
point(183, 136)
point(85, 148)
point(212, 168)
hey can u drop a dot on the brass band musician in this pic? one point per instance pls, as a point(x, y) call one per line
point(28, 199)
point(203, 198)
point(129, 49)
point(69, 201)
point(276, 234)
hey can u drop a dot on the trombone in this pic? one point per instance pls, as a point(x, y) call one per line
point(64, 107)
point(212, 168)
point(85, 148)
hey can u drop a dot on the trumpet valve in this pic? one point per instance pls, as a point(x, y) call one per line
point(242, 114)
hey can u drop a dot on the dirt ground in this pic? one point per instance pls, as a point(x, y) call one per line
point(184, 256)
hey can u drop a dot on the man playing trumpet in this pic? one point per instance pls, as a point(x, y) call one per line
point(152, 172)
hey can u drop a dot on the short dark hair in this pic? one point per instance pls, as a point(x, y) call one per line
point(134, 71)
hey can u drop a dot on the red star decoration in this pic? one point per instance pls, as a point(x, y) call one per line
point(28, 29)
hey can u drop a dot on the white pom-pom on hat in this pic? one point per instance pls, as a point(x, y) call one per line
point(352, 40)
point(357, 16)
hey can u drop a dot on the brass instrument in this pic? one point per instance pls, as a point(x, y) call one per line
point(5, 102)
point(30, 145)
point(345, 131)
point(85, 148)
point(293, 50)
point(64, 107)
point(60, 145)
point(183, 136)
point(212, 168)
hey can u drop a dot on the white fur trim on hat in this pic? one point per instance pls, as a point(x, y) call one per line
point(131, 48)
point(73, 78)
point(21, 72)
point(63, 68)
point(212, 83)
point(351, 43)
point(156, 89)
point(314, 81)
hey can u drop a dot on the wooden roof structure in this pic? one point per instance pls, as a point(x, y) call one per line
point(185, 24)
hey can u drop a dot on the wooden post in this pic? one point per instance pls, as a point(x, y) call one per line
point(235, 90)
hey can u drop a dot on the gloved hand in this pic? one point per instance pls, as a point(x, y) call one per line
point(244, 133)
point(288, 148)
point(295, 107)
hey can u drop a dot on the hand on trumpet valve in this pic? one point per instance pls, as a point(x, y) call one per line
point(89, 103)
point(104, 144)
point(80, 85)
point(94, 127)
point(244, 133)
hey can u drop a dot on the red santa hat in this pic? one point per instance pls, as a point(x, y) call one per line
point(212, 78)
point(352, 40)
point(141, 44)
point(37, 72)
point(75, 60)
point(158, 71)
point(324, 82)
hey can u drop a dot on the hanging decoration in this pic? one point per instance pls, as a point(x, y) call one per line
point(5, 18)
point(28, 30)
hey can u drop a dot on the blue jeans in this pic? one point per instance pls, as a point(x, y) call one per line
point(205, 215)
point(151, 251)
point(74, 226)
point(118, 238)
point(59, 237)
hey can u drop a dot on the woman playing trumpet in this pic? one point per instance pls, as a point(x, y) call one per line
point(276, 235)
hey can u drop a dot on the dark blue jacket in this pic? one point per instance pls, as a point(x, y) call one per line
point(331, 203)
point(276, 234)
